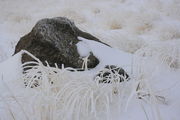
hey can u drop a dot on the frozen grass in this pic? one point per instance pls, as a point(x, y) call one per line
point(66, 95)
point(150, 29)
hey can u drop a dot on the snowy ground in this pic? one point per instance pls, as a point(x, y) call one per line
point(148, 29)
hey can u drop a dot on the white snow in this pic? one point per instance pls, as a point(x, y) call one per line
point(148, 30)
point(107, 55)
point(83, 49)
point(11, 68)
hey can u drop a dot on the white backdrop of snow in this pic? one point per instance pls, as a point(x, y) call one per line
point(105, 54)
point(150, 30)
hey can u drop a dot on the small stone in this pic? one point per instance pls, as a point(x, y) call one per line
point(112, 74)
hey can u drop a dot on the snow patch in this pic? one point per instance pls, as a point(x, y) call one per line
point(108, 55)
point(83, 49)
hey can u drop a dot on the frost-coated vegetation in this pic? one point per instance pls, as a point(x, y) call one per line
point(150, 29)
point(63, 94)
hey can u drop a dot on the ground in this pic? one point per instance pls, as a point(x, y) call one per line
point(149, 30)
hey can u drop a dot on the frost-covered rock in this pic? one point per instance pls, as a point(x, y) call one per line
point(54, 40)
point(112, 74)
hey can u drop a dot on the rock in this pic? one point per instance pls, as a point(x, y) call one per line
point(54, 40)
point(110, 74)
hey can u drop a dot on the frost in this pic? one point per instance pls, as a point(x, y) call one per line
point(149, 29)
point(83, 49)
point(63, 94)
point(108, 55)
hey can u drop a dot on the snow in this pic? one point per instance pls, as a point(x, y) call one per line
point(106, 54)
point(83, 49)
point(11, 68)
point(146, 33)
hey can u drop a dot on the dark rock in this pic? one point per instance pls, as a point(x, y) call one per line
point(54, 40)
point(112, 73)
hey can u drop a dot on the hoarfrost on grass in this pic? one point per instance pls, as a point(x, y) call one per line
point(148, 29)
point(62, 94)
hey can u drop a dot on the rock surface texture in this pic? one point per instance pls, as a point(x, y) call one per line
point(54, 40)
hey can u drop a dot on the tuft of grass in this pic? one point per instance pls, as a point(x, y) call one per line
point(53, 93)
